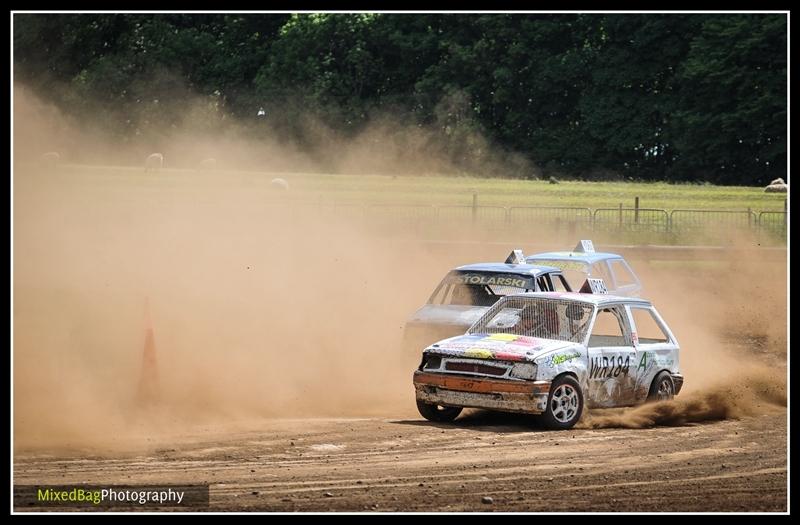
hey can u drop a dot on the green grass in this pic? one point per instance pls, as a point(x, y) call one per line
point(114, 186)
point(439, 190)
point(504, 192)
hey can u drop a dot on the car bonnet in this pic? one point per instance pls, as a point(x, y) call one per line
point(504, 347)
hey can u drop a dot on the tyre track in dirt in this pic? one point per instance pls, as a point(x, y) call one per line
point(408, 465)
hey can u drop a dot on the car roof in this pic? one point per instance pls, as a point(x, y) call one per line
point(591, 257)
point(532, 270)
point(596, 299)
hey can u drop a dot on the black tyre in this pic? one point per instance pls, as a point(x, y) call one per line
point(662, 389)
point(438, 413)
point(564, 404)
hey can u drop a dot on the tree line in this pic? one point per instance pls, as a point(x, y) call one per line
point(676, 97)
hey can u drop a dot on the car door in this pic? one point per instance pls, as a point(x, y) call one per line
point(656, 349)
point(612, 356)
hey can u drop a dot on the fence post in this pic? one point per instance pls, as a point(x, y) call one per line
point(474, 207)
point(620, 216)
point(749, 217)
point(636, 213)
point(785, 213)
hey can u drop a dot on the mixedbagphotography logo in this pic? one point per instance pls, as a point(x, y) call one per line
point(122, 496)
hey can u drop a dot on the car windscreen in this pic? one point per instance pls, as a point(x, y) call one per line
point(480, 288)
point(547, 318)
point(574, 271)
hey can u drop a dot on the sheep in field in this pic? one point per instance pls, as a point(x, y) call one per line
point(279, 184)
point(50, 159)
point(207, 164)
point(154, 162)
point(777, 186)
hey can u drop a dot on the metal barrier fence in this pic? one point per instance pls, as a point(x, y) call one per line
point(485, 215)
point(687, 220)
point(576, 219)
point(550, 214)
point(773, 222)
point(631, 219)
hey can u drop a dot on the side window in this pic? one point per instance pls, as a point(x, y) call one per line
point(576, 277)
point(622, 273)
point(559, 283)
point(600, 271)
point(440, 293)
point(647, 328)
point(454, 293)
point(608, 329)
point(544, 284)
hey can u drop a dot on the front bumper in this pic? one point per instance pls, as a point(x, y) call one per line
point(529, 397)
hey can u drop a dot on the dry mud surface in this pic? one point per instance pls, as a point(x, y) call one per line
point(408, 464)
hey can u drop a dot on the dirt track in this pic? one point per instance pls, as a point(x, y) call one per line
point(408, 464)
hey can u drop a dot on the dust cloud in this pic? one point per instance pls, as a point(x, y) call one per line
point(755, 393)
point(730, 318)
point(258, 307)
point(200, 130)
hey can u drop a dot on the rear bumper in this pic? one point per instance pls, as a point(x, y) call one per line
point(677, 380)
point(529, 397)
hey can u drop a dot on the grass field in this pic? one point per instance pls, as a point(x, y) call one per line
point(506, 192)
point(441, 190)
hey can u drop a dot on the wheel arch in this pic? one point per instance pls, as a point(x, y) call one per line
point(550, 417)
point(658, 373)
point(653, 384)
point(567, 373)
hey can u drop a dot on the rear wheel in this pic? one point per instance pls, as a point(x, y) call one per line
point(662, 389)
point(564, 404)
point(438, 413)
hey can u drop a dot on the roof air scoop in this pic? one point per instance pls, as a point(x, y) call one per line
point(515, 257)
point(585, 246)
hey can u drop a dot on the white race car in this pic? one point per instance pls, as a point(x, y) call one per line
point(583, 262)
point(552, 354)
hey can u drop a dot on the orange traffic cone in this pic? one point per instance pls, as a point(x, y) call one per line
point(148, 381)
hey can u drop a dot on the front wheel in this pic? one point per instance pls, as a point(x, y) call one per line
point(564, 404)
point(438, 413)
point(662, 389)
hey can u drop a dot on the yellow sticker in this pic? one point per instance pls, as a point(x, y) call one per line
point(503, 337)
point(481, 353)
